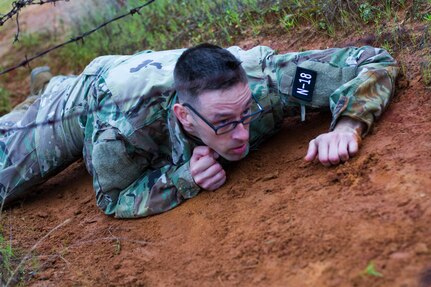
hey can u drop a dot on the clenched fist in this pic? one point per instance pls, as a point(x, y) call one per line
point(337, 146)
point(205, 170)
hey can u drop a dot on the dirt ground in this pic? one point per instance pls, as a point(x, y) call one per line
point(278, 221)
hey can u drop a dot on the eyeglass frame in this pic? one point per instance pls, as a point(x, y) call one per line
point(233, 123)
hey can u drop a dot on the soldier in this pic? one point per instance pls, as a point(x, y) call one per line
point(155, 128)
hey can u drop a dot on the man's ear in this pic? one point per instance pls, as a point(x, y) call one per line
point(184, 116)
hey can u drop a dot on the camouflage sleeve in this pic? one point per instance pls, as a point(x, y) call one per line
point(126, 186)
point(127, 181)
point(156, 191)
point(365, 97)
point(354, 82)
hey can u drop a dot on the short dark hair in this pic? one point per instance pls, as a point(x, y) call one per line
point(206, 67)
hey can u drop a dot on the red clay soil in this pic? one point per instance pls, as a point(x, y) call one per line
point(278, 221)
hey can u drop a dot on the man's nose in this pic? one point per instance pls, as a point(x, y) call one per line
point(240, 132)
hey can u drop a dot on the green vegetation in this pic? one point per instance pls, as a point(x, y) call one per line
point(167, 25)
point(5, 6)
point(370, 270)
point(8, 261)
point(426, 72)
point(4, 101)
point(6, 256)
point(17, 266)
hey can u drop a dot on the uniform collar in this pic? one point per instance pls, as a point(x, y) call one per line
point(182, 143)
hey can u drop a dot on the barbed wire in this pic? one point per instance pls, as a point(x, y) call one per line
point(19, 4)
point(16, 7)
point(81, 37)
point(4, 130)
point(41, 2)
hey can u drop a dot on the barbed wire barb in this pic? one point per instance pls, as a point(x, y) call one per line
point(17, 29)
point(22, 63)
point(19, 4)
point(26, 62)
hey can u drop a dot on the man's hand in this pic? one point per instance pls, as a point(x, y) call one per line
point(205, 170)
point(336, 146)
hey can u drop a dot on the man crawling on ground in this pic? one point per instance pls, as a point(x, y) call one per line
point(155, 128)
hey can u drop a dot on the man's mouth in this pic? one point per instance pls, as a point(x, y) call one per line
point(240, 149)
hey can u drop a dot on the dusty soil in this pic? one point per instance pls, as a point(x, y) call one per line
point(278, 221)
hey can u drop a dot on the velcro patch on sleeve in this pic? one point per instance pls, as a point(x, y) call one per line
point(303, 85)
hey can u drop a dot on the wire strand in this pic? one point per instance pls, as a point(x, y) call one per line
point(81, 37)
point(19, 4)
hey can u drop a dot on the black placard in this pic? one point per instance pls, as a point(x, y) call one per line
point(303, 86)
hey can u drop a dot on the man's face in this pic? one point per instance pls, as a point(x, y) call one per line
point(220, 107)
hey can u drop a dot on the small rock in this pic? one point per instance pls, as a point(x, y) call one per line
point(421, 248)
point(42, 214)
point(90, 220)
point(257, 179)
point(270, 176)
point(404, 202)
point(86, 200)
point(400, 255)
point(117, 266)
point(77, 212)
point(45, 275)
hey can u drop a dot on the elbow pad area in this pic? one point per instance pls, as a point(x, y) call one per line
point(112, 165)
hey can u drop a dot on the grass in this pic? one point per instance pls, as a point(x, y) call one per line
point(371, 270)
point(15, 265)
point(5, 6)
point(6, 256)
point(4, 101)
point(167, 25)
point(426, 71)
point(9, 258)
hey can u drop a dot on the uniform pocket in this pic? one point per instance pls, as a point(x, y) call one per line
point(329, 78)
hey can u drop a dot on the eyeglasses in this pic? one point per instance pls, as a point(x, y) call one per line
point(227, 127)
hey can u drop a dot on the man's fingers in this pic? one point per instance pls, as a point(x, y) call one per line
point(217, 180)
point(323, 150)
point(208, 173)
point(334, 147)
point(213, 182)
point(201, 165)
point(220, 182)
point(353, 147)
point(333, 156)
point(343, 150)
point(198, 152)
point(312, 151)
point(205, 170)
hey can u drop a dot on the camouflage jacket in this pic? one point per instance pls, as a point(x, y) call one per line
point(138, 153)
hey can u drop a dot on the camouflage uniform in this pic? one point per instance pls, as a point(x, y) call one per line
point(134, 147)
